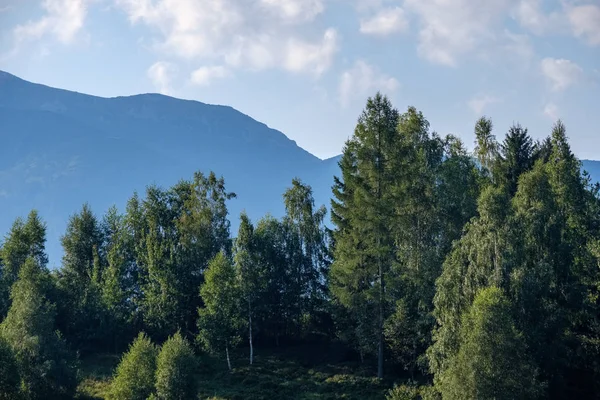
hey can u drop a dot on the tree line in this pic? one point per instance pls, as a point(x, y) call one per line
point(477, 274)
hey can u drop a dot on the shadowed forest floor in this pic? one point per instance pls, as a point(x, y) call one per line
point(300, 372)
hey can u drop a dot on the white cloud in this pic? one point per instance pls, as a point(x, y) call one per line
point(294, 11)
point(478, 103)
point(362, 80)
point(238, 33)
point(561, 73)
point(530, 15)
point(450, 29)
point(161, 74)
point(585, 22)
point(518, 45)
point(205, 75)
point(385, 22)
point(63, 19)
point(551, 111)
point(304, 56)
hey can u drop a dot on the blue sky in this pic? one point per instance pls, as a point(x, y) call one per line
point(306, 67)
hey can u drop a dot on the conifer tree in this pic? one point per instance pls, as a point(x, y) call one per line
point(364, 242)
point(517, 156)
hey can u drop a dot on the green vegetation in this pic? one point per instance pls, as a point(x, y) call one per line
point(296, 372)
point(446, 275)
point(175, 370)
point(134, 377)
point(45, 366)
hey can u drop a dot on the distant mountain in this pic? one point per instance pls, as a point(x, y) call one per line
point(59, 149)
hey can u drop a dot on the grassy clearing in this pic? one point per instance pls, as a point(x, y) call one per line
point(289, 373)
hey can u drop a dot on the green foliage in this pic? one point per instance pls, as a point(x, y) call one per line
point(25, 239)
point(220, 319)
point(411, 391)
point(363, 210)
point(176, 233)
point(45, 366)
point(175, 370)
point(405, 196)
point(306, 226)
point(135, 375)
point(82, 316)
point(492, 362)
point(118, 286)
point(486, 146)
point(9, 372)
point(517, 156)
point(483, 269)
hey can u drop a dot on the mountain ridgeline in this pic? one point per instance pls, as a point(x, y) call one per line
point(60, 149)
point(448, 274)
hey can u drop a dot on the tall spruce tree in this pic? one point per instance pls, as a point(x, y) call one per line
point(517, 156)
point(364, 242)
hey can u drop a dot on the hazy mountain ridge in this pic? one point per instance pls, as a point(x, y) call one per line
point(60, 149)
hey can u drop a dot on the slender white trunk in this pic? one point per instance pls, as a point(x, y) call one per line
point(228, 360)
point(250, 333)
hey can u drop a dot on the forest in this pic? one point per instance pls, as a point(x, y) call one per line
point(445, 274)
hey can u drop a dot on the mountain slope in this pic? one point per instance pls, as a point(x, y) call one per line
point(60, 149)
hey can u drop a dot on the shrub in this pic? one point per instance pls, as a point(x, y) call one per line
point(404, 392)
point(175, 370)
point(134, 377)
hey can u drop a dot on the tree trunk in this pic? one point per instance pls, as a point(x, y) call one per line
point(227, 352)
point(250, 333)
point(381, 310)
point(380, 169)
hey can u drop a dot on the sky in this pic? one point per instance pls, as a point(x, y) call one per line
point(306, 67)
